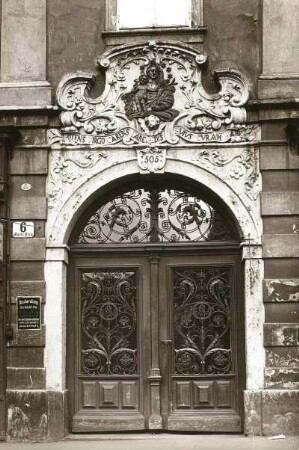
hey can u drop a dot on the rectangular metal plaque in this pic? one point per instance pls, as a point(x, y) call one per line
point(29, 313)
point(23, 229)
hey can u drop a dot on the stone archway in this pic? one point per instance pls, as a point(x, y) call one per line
point(63, 220)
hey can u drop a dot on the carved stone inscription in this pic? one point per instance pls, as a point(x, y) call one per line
point(153, 95)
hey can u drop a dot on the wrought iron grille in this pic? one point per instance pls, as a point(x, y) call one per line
point(155, 215)
point(202, 335)
point(109, 322)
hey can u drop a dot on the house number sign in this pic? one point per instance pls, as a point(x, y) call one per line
point(29, 313)
point(23, 229)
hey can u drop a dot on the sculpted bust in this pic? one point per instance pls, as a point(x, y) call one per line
point(152, 94)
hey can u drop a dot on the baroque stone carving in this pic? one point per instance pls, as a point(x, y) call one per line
point(153, 95)
point(243, 164)
point(67, 168)
point(151, 159)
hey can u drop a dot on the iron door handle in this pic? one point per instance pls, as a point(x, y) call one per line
point(166, 341)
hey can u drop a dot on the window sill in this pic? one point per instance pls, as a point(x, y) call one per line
point(184, 34)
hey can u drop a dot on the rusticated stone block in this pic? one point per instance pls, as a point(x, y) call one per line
point(282, 357)
point(57, 409)
point(281, 245)
point(281, 334)
point(280, 412)
point(25, 357)
point(282, 377)
point(27, 415)
point(283, 290)
point(36, 415)
point(282, 312)
point(253, 413)
point(32, 249)
point(29, 378)
point(19, 288)
point(30, 161)
point(28, 338)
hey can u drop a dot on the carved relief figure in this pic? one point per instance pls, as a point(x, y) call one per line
point(152, 95)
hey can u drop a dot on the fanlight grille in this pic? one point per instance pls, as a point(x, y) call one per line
point(153, 216)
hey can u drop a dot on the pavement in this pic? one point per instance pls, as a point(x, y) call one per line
point(163, 441)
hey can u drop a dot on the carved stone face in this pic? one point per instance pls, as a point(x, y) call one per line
point(152, 72)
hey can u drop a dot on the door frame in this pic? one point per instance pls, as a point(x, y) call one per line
point(152, 251)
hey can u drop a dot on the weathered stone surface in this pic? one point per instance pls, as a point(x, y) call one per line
point(282, 371)
point(280, 180)
point(280, 203)
point(281, 334)
point(29, 270)
point(281, 225)
point(283, 290)
point(36, 415)
point(282, 378)
point(282, 312)
point(28, 61)
point(28, 338)
point(28, 204)
point(280, 411)
point(278, 157)
point(29, 161)
point(282, 357)
point(25, 94)
point(57, 409)
point(280, 37)
point(32, 249)
point(29, 378)
point(25, 357)
point(281, 245)
point(27, 415)
point(281, 268)
point(27, 288)
point(284, 87)
point(29, 209)
point(253, 413)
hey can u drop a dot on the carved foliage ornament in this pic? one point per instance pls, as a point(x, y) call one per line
point(153, 95)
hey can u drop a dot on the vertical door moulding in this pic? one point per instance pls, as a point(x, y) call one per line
point(254, 315)
point(55, 317)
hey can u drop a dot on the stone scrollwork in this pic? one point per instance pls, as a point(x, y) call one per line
point(67, 168)
point(153, 95)
point(240, 164)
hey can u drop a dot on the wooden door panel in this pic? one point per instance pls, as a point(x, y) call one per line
point(202, 370)
point(109, 367)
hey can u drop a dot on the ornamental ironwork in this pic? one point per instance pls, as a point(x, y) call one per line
point(109, 322)
point(202, 334)
point(155, 216)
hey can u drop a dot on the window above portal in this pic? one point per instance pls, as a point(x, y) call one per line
point(153, 13)
point(122, 15)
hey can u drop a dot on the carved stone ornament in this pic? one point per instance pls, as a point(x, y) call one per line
point(67, 169)
point(151, 159)
point(153, 95)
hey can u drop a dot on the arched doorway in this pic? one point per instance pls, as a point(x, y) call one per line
point(155, 311)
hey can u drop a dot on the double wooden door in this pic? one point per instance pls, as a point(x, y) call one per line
point(155, 342)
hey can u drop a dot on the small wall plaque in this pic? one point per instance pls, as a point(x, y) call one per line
point(26, 186)
point(23, 229)
point(29, 313)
